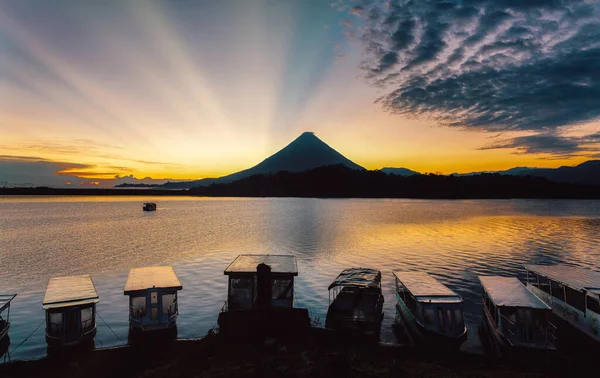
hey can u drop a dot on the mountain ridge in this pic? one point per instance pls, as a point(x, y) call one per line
point(304, 153)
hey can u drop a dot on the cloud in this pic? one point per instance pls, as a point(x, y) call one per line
point(549, 143)
point(492, 65)
point(29, 171)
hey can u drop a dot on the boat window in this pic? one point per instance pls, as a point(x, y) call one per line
point(282, 288)
point(558, 290)
point(593, 304)
point(419, 313)
point(139, 303)
point(240, 292)
point(168, 302)
point(441, 318)
point(153, 297)
point(458, 318)
point(449, 322)
point(575, 298)
point(55, 318)
point(87, 320)
point(428, 316)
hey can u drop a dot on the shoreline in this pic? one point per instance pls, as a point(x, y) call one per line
point(322, 353)
point(113, 192)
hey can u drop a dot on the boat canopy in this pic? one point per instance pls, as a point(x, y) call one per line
point(5, 300)
point(357, 277)
point(161, 277)
point(421, 284)
point(572, 276)
point(282, 264)
point(70, 291)
point(510, 292)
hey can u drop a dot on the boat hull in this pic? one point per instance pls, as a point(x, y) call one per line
point(501, 347)
point(587, 324)
point(55, 341)
point(371, 327)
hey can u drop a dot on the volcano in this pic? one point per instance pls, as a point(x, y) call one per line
point(304, 153)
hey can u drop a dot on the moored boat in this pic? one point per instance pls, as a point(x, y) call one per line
point(356, 302)
point(573, 293)
point(5, 300)
point(70, 304)
point(429, 310)
point(152, 295)
point(260, 298)
point(149, 206)
point(515, 319)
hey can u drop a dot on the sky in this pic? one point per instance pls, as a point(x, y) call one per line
point(106, 92)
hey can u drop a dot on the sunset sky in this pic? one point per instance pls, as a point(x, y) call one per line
point(92, 90)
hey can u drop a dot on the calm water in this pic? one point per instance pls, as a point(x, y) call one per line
point(453, 240)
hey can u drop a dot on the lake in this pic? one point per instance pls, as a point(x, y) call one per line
point(42, 237)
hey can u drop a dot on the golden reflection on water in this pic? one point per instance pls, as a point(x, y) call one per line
point(106, 236)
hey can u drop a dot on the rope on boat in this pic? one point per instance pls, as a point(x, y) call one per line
point(27, 338)
point(114, 333)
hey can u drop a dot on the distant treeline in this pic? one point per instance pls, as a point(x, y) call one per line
point(341, 182)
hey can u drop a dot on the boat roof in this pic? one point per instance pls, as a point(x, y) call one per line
point(70, 291)
point(421, 284)
point(5, 300)
point(573, 276)
point(161, 277)
point(357, 277)
point(278, 263)
point(510, 292)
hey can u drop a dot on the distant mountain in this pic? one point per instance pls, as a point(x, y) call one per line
point(584, 173)
point(399, 171)
point(304, 153)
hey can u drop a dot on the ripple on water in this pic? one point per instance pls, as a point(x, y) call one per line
point(453, 240)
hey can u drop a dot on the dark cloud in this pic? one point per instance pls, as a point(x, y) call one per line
point(548, 143)
point(501, 65)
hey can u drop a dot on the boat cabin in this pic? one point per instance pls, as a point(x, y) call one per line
point(430, 309)
point(572, 292)
point(515, 316)
point(261, 281)
point(152, 295)
point(5, 300)
point(356, 301)
point(149, 206)
point(70, 304)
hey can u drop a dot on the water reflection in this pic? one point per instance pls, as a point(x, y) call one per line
point(453, 240)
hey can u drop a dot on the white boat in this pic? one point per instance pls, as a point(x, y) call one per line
point(70, 304)
point(5, 300)
point(515, 319)
point(356, 302)
point(431, 312)
point(573, 293)
point(152, 295)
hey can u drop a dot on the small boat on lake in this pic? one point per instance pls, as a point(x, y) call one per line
point(431, 312)
point(260, 298)
point(356, 302)
point(70, 304)
point(516, 320)
point(152, 295)
point(5, 300)
point(149, 206)
point(573, 293)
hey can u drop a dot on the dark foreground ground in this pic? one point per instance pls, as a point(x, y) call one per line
point(317, 355)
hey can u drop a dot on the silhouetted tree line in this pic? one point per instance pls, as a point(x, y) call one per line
point(338, 181)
